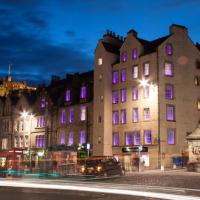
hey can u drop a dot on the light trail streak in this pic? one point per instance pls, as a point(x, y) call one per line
point(97, 189)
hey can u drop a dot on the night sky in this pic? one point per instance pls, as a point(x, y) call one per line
point(45, 37)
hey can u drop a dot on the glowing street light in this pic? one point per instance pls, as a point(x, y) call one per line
point(143, 82)
point(24, 114)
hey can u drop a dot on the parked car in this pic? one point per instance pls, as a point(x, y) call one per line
point(101, 167)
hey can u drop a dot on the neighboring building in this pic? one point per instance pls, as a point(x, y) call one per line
point(146, 93)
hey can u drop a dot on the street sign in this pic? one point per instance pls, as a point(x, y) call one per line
point(135, 149)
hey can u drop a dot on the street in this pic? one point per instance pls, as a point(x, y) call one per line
point(147, 185)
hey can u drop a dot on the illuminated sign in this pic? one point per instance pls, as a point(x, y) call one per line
point(135, 149)
point(196, 150)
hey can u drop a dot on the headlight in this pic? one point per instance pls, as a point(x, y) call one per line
point(99, 168)
point(82, 169)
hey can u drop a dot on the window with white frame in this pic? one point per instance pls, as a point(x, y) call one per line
point(83, 113)
point(135, 71)
point(146, 69)
point(146, 114)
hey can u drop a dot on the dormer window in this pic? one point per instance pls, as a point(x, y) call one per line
point(169, 49)
point(134, 53)
point(67, 96)
point(42, 103)
point(124, 57)
point(83, 92)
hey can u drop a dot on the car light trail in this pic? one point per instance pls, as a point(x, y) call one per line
point(96, 189)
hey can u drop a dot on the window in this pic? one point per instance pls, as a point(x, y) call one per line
point(83, 113)
point(198, 104)
point(40, 121)
point(115, 139)
point(147, 137)
point(26, 142)
point(99, 119)
point(168, 69)
point(146, 69)
point(83, 92)
point(67, 96)
point(71, 138)
point(129, 138)
point(135, 115)
point(134, 53)
point(135, 71)
point(136, 138)
point(100, 61)
point(115, 77)
point(124, 57)
point(71, 115)
point(42, 103)
point(63, 116)
point(16, 141)
point(146, 91)
point(82, 137)
point(115, 96)
point(115, 117)
point(171, 136)
point(170, 113)
point(21, 141)
point(135, 93)
point(123, 75)
point(169, 49)
point(4, 143)
point(123, 95)
point(146, 114)
point(62, 138)
point(123, 116)
point(196, 80)
point(169, 92)
point(40, 141)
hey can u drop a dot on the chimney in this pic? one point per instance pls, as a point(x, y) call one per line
point(132, 32)
point(175, 28)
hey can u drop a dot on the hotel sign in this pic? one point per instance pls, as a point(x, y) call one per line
point(135, 149)
point(196, 150)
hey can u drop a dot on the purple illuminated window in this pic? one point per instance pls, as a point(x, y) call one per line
point(40, 141)
point(146, 91)
point(135, 71)
point(115, 97)
point(123, 116)
point(40, 122)
point(115, 77)
point(129, 138)
point(67, 96)
point(37, 141)
point(71, 115)
point(115, 139)
point(83, 92)
point(123, 95)
point(62, 138)
point(135, 115)
point(169, 92)
point(42, 103)
point(146, 114)
point(71, 138)
point(82, 137)
point(124, 57)
point(136, 138)
point(169, 49)
point(83, 113)
point(170, 113)
point(115, 117)
point(63, 116)
point(171, 136)
point(168, 69)
point(123, 75)
point(135, 93)
point(134, 53)
point(146, 69)
point(147, 137)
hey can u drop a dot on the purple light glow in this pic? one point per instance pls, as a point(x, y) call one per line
point(115, 77)
point(124, 57)
point(67, 96)
point(134, 53)
point(115, 97)
point(71, 138)
point(63, 116)
point(115, 139)
point(135, 93)
point(123, 75)
point(169, 92)
point(123, 95)
point(71, 115)
point(168, 69)
point(135, 115)
point(129, 139)
point(171, 136)
point(123, 116)
point(42, 103)
point(83, 92)
point(147, 137)
point(136, 138)
point(115, 117)
point(62, 138)
point(170, 113)
point(82, 137)
point(83, 113)
point(169, 49)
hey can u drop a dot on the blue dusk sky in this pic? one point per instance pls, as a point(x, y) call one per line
point(44, 37)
